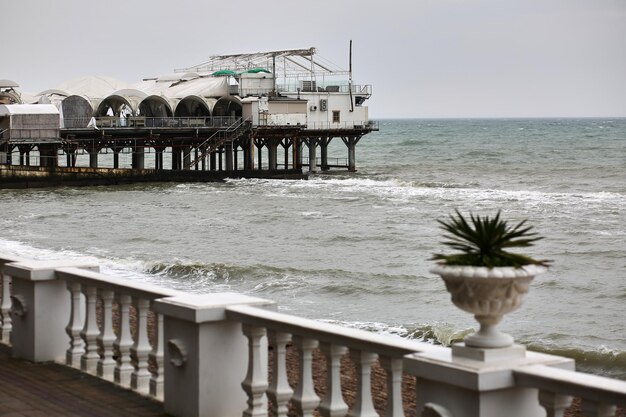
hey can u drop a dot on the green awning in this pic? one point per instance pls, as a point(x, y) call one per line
point(223, 72)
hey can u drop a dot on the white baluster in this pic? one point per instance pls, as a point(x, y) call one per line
point(393, 369)
point(123, 367)
point(333, 404)
point(90, 333)
point(106, 364)
point(255, 383)
point(554, 404)
point(140, 380)
point(363, 406)
point(304, 399)
point(156, 356)
point(74, 327)
point(279, 391)
point(595, 409)
point(5, 308)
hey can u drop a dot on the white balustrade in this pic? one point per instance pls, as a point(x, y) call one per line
point(255, 383)
point(156, 357)
point(89, 359)
point(305, 400)
point(5, 309)
point(393, 369)
point(210, 336)
point(364, 406)
point(279, 392)
point(333, 404)
point(124, 367)
point(140, 378)
point(77, 346)
point(106, 363)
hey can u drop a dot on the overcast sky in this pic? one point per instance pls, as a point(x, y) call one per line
point(424, 58)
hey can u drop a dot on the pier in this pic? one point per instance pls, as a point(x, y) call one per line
point(237, 115)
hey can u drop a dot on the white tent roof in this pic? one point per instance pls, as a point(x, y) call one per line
point(93, 86)
point(203, 87)
point(10, 109)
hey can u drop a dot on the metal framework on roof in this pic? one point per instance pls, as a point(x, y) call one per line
point(286, 63)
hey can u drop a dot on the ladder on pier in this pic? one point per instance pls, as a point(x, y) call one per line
point(219, 138)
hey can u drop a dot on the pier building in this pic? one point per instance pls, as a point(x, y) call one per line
point(233, 115)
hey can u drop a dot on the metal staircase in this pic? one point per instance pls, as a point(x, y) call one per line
point(219, 138)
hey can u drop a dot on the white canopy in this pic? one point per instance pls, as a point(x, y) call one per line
point(11, 109)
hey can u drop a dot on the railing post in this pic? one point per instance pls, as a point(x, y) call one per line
point(156, 356)
point(393, 368)
point(305, 400)
point(554, 404)
point(41, 309)
point(206, 355)
point(76, 347)
point(333, 404)
point(595, 409)
point(140, 379)
point(280, 391)
point(255, 383)
point(123, 367)
point(363, 406)
point(106, 364)
point(90, 333)
point(5, 301)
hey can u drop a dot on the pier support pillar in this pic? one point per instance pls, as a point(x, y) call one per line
point(324, 153)
point(176, 161)
point(93, 158)
point(48, 155)
point(195, 158)
point(220, 159)
point(236, 157)
point(249, 156)
point(286, 144)
point(41, 308)
point(272, 148)
point(297, 153)
point(351, 142)
point(200, 384)
point(228, 148)
point(312, 142)
point(158, 158)
point(186, 150)
point(116, 157)
point(259, 156)
point(212, 161)
point(138, 157)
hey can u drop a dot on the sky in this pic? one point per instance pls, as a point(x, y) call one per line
point(423, 58)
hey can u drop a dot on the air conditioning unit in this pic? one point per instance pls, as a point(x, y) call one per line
point(323, 104)
point(313, 108)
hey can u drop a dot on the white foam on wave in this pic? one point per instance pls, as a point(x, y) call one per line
point(121, 268)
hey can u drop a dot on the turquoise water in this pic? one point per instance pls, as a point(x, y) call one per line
point(354, 248)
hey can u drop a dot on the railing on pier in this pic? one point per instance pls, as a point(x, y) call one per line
point(355, 125)
point(114, 122)
point(154, 340)
point(330, 162)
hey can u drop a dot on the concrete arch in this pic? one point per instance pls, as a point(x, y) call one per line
point(194, 106)
point(227, 106)
point(155, 106)
point(77, 111)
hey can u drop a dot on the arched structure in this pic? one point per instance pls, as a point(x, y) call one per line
point(76, 111)
point(194, 106)
point(155, 106)
point(227, 106)
point(121, 103)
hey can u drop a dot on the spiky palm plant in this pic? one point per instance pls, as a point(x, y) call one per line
point(482, 242)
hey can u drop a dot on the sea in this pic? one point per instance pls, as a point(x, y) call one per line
point(354, 248)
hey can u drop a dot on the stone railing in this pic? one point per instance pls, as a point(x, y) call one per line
point(209, 354)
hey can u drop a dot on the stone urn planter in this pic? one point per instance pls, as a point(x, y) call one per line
point(483, 278)
point(488, 294)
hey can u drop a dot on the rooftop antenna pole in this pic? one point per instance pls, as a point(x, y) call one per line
point(274, 71)
point(350, 78)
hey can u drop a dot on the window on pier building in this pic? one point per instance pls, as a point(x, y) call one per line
point(336, 118)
